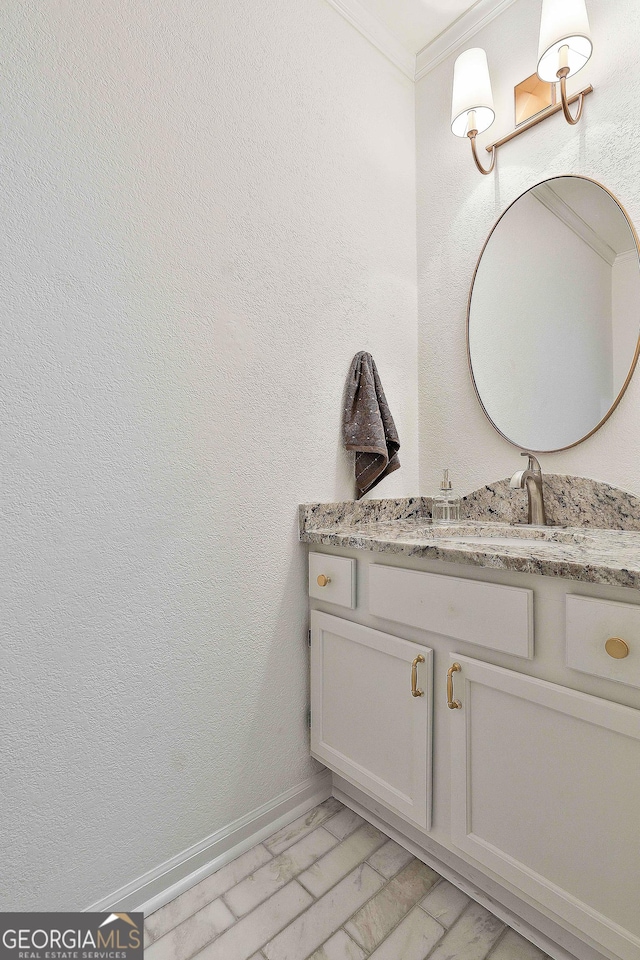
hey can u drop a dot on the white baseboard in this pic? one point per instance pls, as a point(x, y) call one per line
point(171, 878)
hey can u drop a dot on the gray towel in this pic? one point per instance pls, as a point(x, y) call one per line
point(368, 426)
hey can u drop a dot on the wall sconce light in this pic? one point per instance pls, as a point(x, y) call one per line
point(564, 48)
point(472, 105)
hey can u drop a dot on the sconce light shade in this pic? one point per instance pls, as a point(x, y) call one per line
point(564, 23)
point(471, 92)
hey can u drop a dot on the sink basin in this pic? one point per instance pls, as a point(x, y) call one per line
point(503, 536)
point(501, 541)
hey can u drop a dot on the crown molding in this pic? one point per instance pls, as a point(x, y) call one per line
point(444, 45)
point(458, 34)
point(626, 256)
point(377, 33)
point(556, 205)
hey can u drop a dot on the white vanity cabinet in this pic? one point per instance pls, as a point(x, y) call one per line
point(371, 710)
point(545, 792)
point(536, 777)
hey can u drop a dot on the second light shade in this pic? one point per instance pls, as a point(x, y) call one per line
point(563, 23)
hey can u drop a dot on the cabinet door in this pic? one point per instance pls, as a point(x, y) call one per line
point(365, 723)
point(545, 793)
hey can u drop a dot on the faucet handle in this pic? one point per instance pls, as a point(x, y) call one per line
point(516, 482)
point(534, 464)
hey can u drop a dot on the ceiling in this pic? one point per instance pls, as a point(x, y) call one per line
point(415, 23)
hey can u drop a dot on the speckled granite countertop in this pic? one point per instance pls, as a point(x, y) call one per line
point(403, 527)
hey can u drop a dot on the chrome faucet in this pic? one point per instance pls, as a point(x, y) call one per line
point(531, 479)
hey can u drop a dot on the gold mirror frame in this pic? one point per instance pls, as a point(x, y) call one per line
point(473, 280)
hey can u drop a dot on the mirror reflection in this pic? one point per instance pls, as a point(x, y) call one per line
point(553, 314)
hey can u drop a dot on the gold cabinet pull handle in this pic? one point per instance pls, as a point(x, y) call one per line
point(414, 677)
point(617, 648)
point(322, 581)
point(451, 703)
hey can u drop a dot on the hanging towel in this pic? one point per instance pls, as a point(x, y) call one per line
point(368, 426)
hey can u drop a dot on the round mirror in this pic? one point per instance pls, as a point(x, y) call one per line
point(552, 324)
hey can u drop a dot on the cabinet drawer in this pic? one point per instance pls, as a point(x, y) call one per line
point(590, 623)
point(332, 579)
point(486, 614)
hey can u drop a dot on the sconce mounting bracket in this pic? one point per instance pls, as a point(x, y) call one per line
point(549, 112)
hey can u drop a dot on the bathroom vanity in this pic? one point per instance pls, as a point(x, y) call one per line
point(476, 688)
point(476, 691)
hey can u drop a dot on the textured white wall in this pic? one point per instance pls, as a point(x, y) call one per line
point(457, 208)
point(206, 210)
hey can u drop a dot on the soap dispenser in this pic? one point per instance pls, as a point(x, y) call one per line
point(446, 505)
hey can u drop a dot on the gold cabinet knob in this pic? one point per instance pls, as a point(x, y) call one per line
point(617, 648)
point(323, 581)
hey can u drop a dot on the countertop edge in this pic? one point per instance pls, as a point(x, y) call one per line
point(551, 567)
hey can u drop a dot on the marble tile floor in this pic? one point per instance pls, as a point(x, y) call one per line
point(329, 886)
